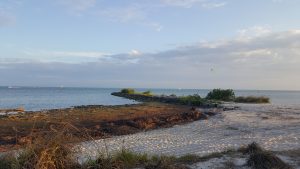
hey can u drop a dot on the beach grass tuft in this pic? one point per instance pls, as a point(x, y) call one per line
point(59, 155)
point(262, 159)
point(49, 150)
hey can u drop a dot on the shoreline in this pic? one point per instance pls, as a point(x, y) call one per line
point(170, 129)
point(268, 125)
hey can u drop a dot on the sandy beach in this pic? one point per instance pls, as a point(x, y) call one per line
point(274, 127)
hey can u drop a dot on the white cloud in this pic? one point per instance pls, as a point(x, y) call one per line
point(78, 5)
point(209, 4)
point(264, 61)
point(182, 3)
point(134, 52)
point(213, 5)
point(134, 14)
point(255, 31)
point(277, 1)
point(252, 32)
point(75, 57)
point(255, 52)
point(259, 49)
point(64, 56)
point(124, 14)
point(64, 53)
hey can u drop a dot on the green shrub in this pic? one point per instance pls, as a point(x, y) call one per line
point(193, 100)
point(128, 91)
point(221, 94)
point(147, 93)
point(173, 95)
point(252, 99)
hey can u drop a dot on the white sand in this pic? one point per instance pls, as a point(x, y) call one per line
point(274, 127)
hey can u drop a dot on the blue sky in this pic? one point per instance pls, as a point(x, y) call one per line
point(151, 43)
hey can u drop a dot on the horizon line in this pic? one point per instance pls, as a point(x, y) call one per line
point(155, 88)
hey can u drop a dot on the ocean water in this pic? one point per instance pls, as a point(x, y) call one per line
point(38, 98)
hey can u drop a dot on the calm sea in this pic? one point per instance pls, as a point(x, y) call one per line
point(37, 98)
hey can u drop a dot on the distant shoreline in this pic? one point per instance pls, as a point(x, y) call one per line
point(145, 88)
point(33, 99)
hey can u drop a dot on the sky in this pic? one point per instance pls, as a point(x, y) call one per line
point(239, 44)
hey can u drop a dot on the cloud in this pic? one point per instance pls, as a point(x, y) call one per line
point(264, 61)
point(261, 49)
point(64, 56)
point(213, 5)
point(74, 57)
point(277, 1)
point(209, 4)
point(182, 3)
point(133, 13)
point(254, 31)
point(134, 52)
point(64, 53)
point(124, 14)
point(78, 5)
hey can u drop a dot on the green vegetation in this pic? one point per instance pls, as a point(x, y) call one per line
point(147, 93)
point(193, 100)
point(42, 155)
point(196, 100)
point(132, 91)
point(221, 94)
point(121, 160)
point(252, 99)
point(52, 150)
point(262, 159)
point(173, 95)
point(45, 151)
point(229, 95)
point(9, 162)
point(189, 158)
point(128, 91)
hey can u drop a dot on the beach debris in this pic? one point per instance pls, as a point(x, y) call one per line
point(12, 111)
